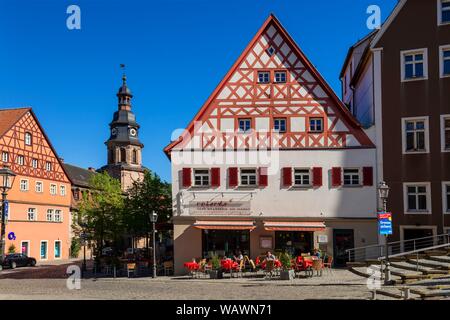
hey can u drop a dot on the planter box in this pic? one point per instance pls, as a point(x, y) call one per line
point(216, 274)
point(287, 275)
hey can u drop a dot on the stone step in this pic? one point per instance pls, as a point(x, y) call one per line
point(445, 259)
point(409, 267)
point(424, 293)
point(431, 264)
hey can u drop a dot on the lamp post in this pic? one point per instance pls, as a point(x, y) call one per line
point(153, 219)
point(6, 182)
point(383, 193)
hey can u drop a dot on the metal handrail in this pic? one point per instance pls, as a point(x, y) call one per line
point(377, 251)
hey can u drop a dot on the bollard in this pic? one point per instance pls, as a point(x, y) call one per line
point(374, 294)
point(406, 293)
point(114, 270)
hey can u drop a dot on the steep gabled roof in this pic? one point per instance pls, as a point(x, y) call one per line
point(9, 117)
point(304, 60)
point(79, 176)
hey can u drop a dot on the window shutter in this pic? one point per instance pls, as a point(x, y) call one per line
point(317, 177)
point(187, 181)
point(263, 179)
point(215, 177)
point(368, 176)
point(287, 177)
point(336, 178)
point(232, 177)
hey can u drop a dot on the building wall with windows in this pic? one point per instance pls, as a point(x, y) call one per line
point(410, 59)
point(39, 202)
point(272, 161)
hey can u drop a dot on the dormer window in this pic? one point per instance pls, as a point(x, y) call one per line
point(28, 139)
point(263, 77)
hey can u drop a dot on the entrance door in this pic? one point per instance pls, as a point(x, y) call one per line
point(25, 248)
point(414, 233)
point(343, 239)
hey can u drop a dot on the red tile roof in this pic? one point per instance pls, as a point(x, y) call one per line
point(8, 117)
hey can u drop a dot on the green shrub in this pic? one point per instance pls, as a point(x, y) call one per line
point(12, 248)
point(285, 259)
point(215, 263)
point(75, 247)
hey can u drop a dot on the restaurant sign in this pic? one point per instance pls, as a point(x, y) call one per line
point(222, 208)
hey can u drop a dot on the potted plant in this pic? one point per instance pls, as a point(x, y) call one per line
point(216, 272)
point(287, 273)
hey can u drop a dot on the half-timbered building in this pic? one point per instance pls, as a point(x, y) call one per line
point(272, 161)
point(38, 217)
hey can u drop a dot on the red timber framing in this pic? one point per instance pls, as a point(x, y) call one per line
point(12, 141)
point(304, 95)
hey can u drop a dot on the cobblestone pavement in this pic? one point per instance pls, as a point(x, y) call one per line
point(50, 283)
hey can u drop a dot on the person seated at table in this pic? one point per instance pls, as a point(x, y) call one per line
point(238, 257)
point(270, 256)
point(317, 253)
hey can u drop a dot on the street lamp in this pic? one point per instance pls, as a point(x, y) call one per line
point(383, 193)
point(6, 182)
point(153, 219)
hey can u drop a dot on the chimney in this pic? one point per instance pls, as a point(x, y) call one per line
point(91, 169)
point(61, 160)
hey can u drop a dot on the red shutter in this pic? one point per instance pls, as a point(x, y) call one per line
point(187, 181)
point(368, 176)
point(336, 178)
point(232, 177)
point(263, 179)
point(215, 177)
point(287, 177)
point(317, 177)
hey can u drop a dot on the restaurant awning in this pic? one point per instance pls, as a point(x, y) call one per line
point(293, 226)
point(224, 225)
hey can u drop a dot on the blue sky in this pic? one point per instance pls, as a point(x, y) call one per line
point(176, 52)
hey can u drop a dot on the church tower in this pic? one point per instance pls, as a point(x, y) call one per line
point(123, 145)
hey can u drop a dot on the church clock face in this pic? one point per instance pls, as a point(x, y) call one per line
point(114, 131)
point(133, 132)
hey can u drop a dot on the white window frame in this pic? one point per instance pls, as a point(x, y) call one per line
point(280, 72)
point(60, 215)
point(402, 232)
point(56, 189)
point(48, 166)
point(239, 125)
point(285, 125)
point(20, 160)
point(29, 247)
point(36, 186)
point(28, 139)
point(40, 250)
point(316, 119)
point(441, 60)
point(62, 191)
point(352, 185)
point(27, 185)
point(34, 214)
point(5, 156)
point(445, 204)
point(60, 250)
point(427, 134)
point(35, 163)
point(424, 52)
point(428, 197)
point(248, 175)
point(443, 117)
point(263, 72)
point(302, 185)
point(50, 213)
point(202, 176)
point(439, 12)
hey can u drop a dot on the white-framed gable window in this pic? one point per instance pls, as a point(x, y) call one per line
point(351, 177)
point(201, 177)
point(445, 133)
point(53, 189)
point(62, 191)
point(5, 156)
point(316, 125)
point(414, 65)
point(245, 125)
point(263, 76)
point(248, 177)
point(443, 11)
point(20, 160)
point(302, 177)
point(415, 136)
point(279, 124)
point(444, 61)
point(28, 139)
point(280, 77)
point(48, 166)
point(446, 197)
point(417, 197)
point(34, 163)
